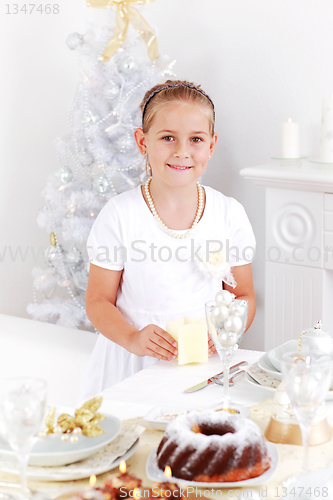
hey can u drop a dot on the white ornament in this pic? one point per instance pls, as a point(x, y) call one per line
point(237, 309)
point(128, 65)
point(219, 315)
point(223, 297)
point(111, 91)
point(125, 143)
point(74, 439)
point(73, 256)
point(233, 324)
point(53, 255)
point(64, 175)
point(90, 118)
point(74, 40)
point(101, 184)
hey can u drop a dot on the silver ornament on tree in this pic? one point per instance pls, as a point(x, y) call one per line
point(97, 168)
point(53, 253)
point(73, 256)
point(101, 184)
point(85, 158)
point(125, 143)
point(111, 91)
point(74, 40)
point(64, 175)
point(90, 118)
point(128, 65)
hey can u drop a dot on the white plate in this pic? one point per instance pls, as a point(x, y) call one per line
point(152, 417)
point(154, 473)
point(96, 464)
point(311, 482)
point(52, 452)
point(275, 355)
point(266, 365)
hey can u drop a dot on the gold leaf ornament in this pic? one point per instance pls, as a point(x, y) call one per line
point(126, 14)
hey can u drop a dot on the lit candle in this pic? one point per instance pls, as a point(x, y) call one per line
point(92, 493)
point(124, 483)
point(168, 490)
point(326, 140)
point(290, 139)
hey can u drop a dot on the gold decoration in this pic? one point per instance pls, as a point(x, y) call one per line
point(126, 14)
point(85, 419)
point(53, 240)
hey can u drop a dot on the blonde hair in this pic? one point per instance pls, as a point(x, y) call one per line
point(174, 90)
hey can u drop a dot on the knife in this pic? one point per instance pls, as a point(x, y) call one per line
point(203, 384)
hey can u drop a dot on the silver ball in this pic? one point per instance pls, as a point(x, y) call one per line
point(125, 143)
point(223, 297)
point(219, 315)
point(74, 40)
point(64, 175)
point(101, 184)
point(237, 309)
point(111, 91)
point(73, 256)
point(233, 324)
point(128, 65)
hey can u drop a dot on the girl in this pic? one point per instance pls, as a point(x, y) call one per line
point(151, 248)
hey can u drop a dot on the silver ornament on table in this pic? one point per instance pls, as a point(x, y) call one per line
point(128, 65)
point(101, 184)
point(233, 324)
point(74, 40)
point(316, 340)
point(236, 309)
point(219, 315)
point(223, 297)
point(64, 175)
point(73, 256)
point(125, 144)
point(111, 91)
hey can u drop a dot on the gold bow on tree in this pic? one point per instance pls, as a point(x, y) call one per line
point(126, 14)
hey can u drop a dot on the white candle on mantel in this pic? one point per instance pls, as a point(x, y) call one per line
point(326, 140)
point(290, 139)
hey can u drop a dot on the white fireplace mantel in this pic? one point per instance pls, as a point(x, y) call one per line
point(298, 248)
point(306, 178)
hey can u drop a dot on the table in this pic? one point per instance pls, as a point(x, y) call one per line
point(163, 384)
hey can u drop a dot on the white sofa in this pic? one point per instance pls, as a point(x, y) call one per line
point(55, 353)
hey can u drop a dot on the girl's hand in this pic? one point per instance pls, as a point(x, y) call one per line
point(153, 341)
point(211, 346)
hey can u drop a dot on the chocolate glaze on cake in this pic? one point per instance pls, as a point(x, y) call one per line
point(213, 446)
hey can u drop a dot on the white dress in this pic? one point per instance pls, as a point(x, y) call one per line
point(161, 279)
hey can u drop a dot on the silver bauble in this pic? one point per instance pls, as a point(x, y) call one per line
point(219, 315)
point(233, 324)
point(74, 40)
point(90, 118)
point(111, 91)
point(53, 255)
point(85, 158)
point(101, 184)
point(125, 143)
point(128, 65)
point(64, 175)
point(73, 256)
point(223, 297)
point(237, 309)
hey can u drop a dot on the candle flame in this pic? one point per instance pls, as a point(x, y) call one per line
point(122, 467)
point(167, 471)
point(136, 493)
point(92, 480)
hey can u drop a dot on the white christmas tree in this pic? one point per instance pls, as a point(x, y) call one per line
point(97, 160)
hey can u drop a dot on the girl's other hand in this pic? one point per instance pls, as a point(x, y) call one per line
point(153, 341)
point(211, 346)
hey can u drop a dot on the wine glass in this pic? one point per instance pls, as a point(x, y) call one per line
point(308, 378)
point(226, 320)
point(22, 409)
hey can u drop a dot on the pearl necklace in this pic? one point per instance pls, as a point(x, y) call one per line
point(175, 234)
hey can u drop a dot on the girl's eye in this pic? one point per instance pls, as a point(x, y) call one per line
point(196, 139)
point(168, 138)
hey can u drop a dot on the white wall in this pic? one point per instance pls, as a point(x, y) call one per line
point(262, 61)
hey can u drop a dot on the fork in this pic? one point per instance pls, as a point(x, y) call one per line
point(219, 381)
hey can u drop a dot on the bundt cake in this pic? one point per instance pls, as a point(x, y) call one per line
point(213, 446)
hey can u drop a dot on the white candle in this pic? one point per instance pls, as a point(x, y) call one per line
point(326, 140)
point(290, 139)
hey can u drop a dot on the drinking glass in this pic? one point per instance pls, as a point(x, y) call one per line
point(226, 325)
point(308, 378)
point(22, 409)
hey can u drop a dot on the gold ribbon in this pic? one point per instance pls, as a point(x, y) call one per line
point(126, 14)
